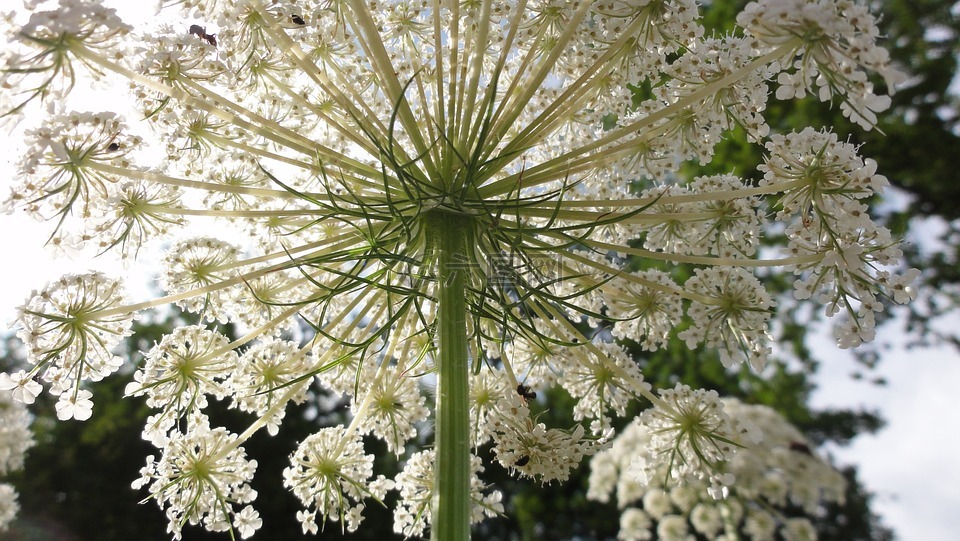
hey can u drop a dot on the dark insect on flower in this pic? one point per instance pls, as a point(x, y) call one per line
point(201, 32)
point(297, 20)
point(113, 147)
point(800, 447)
point(522, 461)
point(526, 393)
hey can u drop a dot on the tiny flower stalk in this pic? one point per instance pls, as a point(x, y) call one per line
point(485, 197)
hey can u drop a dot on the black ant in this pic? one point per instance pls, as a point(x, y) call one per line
point(201, 32)
point(526, 393)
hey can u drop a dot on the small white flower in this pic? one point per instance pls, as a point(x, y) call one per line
point(24, 388)
point(75, 406)
point(247, 521)
point(8, 505)
point(634, 525)
point(308, 521)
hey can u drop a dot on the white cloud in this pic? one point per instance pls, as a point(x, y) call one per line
point(911, 464)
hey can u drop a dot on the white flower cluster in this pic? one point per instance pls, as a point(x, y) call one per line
point(331, 474)
point(830, 229)
point(201, 478)
point(775, 477)
point(416, 484)
point(15, 439)
point(397, 406)
point(427, 186)
point(735, 322)
point(88, 20)
point(73, 174)
point(262, 370)
point(70, 329)
point(839, 44)
point(688, 437)
point(178, 375)
point(533, 450)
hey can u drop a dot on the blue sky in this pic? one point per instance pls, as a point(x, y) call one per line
point(911, 464)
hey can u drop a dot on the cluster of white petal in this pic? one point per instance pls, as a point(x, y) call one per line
point(735, 319)
point(839, 45)
point(643, 313)
point(600, 380)
point(349, 140)
point(70, 329)
point(486, 390)
point(15, 435)
point(687, 437)
point(416, 485)
point(534, 450)
point(202, 477)
point(196, 263)
point(9, 507)
point(50, 74)
point(396, 407)
point(829, 229)
point(331, 475)
point(262, 370)
point(69, 174)
point(179, 373)
point(775, 477)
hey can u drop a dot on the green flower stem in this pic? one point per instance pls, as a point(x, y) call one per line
point(260, 126)
point(151, 176)
point(698, 260)
point(339, 89)
point(451, 494)
point(772, 188)
point(621, 141)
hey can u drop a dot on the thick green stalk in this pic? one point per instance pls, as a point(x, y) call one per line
point(451, 496)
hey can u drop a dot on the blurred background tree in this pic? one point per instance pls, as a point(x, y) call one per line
point(76, 484)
